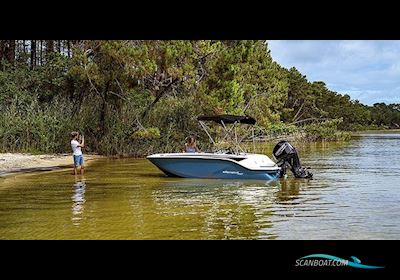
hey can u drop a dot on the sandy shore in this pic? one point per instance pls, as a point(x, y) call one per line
point(12, 163)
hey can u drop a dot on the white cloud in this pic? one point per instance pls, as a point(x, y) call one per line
point(366, 70)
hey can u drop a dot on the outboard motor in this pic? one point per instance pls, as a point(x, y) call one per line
point(286, 156)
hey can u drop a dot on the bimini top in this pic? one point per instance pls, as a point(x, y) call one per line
point(228, 119)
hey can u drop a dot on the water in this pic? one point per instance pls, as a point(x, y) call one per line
point(355, 194)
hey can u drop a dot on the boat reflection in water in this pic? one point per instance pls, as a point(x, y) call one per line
point(225, 209)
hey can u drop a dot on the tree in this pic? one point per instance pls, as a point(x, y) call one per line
point(49, 49)
point(301, 100)
point(7, 51)
point(243, 79)
point(33, 54)
point(108, 70)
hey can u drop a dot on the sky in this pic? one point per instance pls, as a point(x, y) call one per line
point(368, 71)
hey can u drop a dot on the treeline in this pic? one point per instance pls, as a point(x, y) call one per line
point(135, 97)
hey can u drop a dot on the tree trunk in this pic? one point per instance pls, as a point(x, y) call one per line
point(49, 49)
point(2, 46)
point(11, 51)
point(59, 46)
point(103, 118)
point(7, 51)
point(11, 57)
point(22, 53)
point(41, 53)
point(159, 94)
point(69, 48)
point(103, 113)
point(296, 117)
point(33, 54)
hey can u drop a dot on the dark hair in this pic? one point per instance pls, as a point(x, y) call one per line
point(74, 134)
point(190, 139)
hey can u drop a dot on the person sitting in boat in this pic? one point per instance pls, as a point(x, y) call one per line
point(190, 145)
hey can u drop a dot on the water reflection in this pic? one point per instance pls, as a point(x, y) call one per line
point(78, 199)
point(218, 209)
point(352, 196)
point(289, 189)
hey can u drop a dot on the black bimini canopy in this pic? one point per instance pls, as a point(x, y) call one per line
point(228, 119)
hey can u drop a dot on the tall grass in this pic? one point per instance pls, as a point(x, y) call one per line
point(34, 129)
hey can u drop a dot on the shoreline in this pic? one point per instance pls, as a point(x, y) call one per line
point(13, 163)
point(19, 163)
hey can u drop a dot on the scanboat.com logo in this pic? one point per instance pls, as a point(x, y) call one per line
point(328, 260)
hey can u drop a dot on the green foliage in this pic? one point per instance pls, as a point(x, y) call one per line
point(281, 128)
point(383, 115)
point(243, 79)
point(327, 130)
point(31, 128)
point(150, 133)
point(300, 102)
point(138, 97)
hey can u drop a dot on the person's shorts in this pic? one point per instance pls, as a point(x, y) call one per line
point(78, 160)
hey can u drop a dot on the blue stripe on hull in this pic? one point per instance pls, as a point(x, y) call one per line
point(210, 168)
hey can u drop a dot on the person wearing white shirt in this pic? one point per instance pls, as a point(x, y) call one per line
point(77, 152)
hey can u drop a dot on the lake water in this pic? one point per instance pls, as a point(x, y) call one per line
point(355, 194)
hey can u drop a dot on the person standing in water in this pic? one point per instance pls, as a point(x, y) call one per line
point(190, 145)
point(77, 151)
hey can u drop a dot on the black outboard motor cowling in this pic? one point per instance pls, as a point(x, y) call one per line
point(286, 156)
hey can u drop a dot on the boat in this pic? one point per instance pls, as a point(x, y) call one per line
point(216, 166)
point(231, 163)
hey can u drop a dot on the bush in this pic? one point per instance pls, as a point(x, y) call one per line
point(146, 134)
point(30, 128)
point(325, 131)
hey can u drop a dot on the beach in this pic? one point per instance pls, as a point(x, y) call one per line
point(18, 162)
